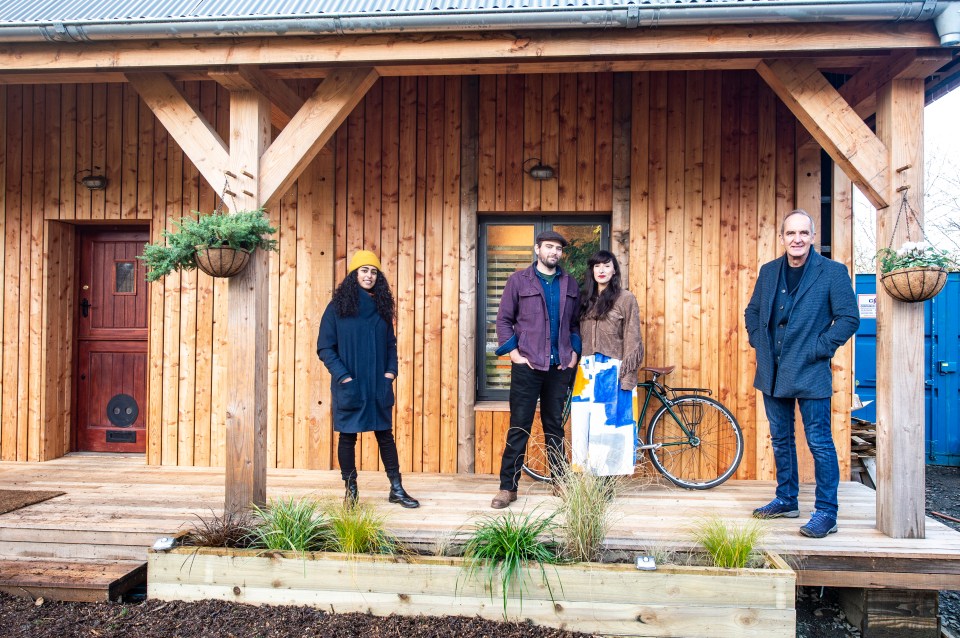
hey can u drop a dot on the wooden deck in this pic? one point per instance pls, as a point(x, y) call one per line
point(115, 506)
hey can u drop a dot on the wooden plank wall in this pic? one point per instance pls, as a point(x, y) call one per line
point(712, 171)
point(706, 168)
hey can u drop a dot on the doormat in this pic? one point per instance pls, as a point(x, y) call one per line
point(11, 500)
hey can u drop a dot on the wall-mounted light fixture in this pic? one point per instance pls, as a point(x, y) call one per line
point(538, 171)
point(93, 179)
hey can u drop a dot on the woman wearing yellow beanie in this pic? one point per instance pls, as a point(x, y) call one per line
point(358, 346)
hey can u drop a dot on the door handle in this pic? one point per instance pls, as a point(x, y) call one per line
point(946, 367)
point(85, 307)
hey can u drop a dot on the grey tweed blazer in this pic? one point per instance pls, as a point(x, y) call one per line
point(824, 317)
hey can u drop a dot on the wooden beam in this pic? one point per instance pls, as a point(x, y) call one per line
point(311, 128)
point(284, 101)
point(703, 62)
point(714, 41)
point(247, 320)
point(192, 132)
point(860, 91)
point(832, 122)
point(900, 354)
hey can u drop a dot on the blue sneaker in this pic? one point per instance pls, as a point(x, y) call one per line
point(819, 525)
point(776, 509)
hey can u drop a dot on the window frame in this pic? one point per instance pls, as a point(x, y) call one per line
point(539, 223)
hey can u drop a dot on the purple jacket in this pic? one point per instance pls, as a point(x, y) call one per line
point(523, 314)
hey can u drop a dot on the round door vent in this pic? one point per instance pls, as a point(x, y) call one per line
point(122, 410)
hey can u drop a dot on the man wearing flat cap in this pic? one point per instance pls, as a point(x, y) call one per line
point(537, 325)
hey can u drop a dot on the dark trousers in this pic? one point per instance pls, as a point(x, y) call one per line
point(527, 386)
point(347, 453)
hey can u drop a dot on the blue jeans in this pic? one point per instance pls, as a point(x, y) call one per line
point(816, 426)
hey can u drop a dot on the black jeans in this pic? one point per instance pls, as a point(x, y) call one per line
point(347, 453)
point(526, 387)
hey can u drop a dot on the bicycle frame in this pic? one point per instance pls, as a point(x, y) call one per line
point(660, 391)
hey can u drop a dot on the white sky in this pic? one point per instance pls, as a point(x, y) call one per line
point(941, 127)
point(941, 138)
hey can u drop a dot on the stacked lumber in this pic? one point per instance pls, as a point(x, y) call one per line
point(863, 451)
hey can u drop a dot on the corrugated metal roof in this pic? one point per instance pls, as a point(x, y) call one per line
point(99, 20)
point(48, 11)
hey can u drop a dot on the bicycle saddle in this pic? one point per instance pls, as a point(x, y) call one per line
point(662, 371)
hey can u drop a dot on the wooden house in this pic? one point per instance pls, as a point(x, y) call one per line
point(678, 134)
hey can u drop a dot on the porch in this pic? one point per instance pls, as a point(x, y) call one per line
point(115, 506)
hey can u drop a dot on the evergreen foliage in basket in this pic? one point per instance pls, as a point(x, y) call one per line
point(242, 231)
point(915, 272)
point(919, 254)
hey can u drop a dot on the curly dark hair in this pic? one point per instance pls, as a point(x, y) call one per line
point(594, 304)
point(346, 297)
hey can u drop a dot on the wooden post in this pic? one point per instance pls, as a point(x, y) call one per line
point(620, 213)
point(889, 613)
point(469, 138)
point(900, 370)
point(246, 444)
point(841, 249)
point(807, 197)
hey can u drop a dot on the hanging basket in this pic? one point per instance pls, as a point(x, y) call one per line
point(914, 284)
point(222, 262)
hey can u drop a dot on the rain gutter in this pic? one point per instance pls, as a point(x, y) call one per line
point(944, 13)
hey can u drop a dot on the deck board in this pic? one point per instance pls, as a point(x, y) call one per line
point(118, 520)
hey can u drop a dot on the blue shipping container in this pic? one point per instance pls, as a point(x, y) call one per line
point(941, 356)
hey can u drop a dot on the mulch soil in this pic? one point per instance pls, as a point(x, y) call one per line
point(818, 611)
point(22, 618)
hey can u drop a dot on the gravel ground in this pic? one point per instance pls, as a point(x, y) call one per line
point(819, 614)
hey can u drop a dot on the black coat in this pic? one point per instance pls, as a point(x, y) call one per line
point(363, 347)
point(824, 317)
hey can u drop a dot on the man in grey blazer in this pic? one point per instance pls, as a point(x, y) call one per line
point(803, 308)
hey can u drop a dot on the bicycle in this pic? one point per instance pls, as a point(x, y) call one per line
point(693, 440)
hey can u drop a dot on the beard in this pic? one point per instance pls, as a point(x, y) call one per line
point(548, 261)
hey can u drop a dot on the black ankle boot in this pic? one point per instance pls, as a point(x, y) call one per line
point(400, 496)
point(351, 494)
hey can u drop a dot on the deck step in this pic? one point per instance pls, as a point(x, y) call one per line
point(81, 581)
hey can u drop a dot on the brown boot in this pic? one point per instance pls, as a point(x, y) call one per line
point(503, 499)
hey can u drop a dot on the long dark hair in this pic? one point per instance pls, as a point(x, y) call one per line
point(594, 304)
point(346, 298)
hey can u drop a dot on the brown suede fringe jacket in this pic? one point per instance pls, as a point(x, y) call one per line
point(617, 335)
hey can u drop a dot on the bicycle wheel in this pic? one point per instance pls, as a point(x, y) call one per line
point(703, 456)
point(537, 474)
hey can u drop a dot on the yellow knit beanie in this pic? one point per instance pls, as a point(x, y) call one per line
point(364, 258)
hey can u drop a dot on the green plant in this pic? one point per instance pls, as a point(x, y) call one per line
point(730, 545)
point(913, 255)
point(358, 529)
point(586, 506)
point(245, 230)
point(291, 525)
point(499, 549)
point(232, 529)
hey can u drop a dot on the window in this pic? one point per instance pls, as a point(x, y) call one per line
point(124, 280)
point(506, 246)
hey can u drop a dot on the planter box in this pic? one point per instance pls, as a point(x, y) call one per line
point(589, 597)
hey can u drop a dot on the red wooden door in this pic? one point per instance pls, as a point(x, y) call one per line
point(112, 343)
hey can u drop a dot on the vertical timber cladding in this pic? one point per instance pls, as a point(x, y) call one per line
point(711, 174)
point(711, 171)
